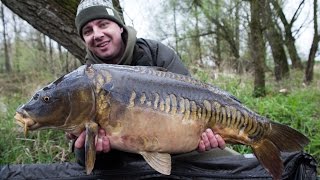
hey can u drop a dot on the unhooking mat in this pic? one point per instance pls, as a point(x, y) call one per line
point(298, 166)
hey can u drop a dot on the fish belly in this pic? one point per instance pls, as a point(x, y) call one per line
point(144, 129)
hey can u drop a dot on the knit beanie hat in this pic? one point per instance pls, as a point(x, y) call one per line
point(89, 10)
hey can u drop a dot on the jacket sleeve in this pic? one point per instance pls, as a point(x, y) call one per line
point(163, 56)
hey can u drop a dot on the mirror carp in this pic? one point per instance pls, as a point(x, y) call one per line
point(155, 113)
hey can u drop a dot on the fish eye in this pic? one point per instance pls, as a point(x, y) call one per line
point(46, 98)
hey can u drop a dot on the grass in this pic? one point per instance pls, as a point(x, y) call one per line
point(45, 146)
point(298, 108)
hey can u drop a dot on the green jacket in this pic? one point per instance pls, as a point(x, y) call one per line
point(144, 52)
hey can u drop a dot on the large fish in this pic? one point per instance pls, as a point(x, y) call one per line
point(154, 113)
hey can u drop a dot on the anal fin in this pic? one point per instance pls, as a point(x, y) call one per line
point(160, 162)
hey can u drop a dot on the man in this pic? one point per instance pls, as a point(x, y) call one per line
point(109, 41)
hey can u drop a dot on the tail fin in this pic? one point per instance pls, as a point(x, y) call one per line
point(281, 138)
point(286, 138)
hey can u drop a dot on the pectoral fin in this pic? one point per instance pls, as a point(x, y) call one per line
point(160, 162)
point(90, 147)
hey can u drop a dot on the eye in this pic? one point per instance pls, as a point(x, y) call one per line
point(104, 24)
point(46, 98)
point(86, 32)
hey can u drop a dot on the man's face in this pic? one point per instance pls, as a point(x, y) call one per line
point(103, 38)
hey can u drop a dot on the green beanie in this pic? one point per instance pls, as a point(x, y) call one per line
point(89, 10)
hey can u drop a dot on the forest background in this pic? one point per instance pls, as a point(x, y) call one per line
point(251, 48)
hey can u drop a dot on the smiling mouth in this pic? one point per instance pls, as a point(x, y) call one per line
point(23, 120)
point(103, 44)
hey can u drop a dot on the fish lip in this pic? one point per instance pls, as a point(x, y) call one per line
point(25, 121)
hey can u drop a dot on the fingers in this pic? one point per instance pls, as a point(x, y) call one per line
point(210, 140)
point(221, 142)
point(213, 143)
point(80, 140)
point(206, 141)
point(201, 147)
point(102, 141)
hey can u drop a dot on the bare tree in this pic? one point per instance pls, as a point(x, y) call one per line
point(218, 38)
point(237, 35)
point(176, 34)
point(8, 66)
point(224, 28)
point(257, 48)
point(289, 39)
point(314, 47)
point(17, 41)
point(55, 18)
point(274, 37)
point(196, 38)
point(51, 63)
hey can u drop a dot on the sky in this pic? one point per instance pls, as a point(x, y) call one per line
point(137, 14)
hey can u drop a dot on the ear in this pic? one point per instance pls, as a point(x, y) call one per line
point(121, 29)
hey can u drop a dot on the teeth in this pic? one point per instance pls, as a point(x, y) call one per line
point(103, 44)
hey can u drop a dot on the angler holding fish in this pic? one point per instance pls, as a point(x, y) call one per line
point(145, 110)
point(109, 41)
point(153, 113)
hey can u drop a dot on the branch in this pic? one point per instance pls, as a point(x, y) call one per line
point(296, 13)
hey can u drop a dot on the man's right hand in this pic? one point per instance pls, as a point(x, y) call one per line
point(102, 141)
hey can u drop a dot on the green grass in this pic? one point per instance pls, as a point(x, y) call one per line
point(299, 108)
point(44, 146)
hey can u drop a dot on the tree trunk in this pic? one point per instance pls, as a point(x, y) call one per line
point(217, 37)
point(41, 52)
point(67, 63)
point(61, 57)
point(314, 47)
point(176, 34)
point(281, 66)
point(196, 39)
point(55, 18)
point(8, 67)
point(51, 63)
point(17, 42)
point(237, 37)
point(289, 39)
point(257, 49)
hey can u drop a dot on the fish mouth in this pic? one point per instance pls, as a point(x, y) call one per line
point(24, 120)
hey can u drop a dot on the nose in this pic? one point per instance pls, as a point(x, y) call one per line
point(97, 34)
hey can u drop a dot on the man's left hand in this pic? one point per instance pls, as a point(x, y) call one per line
point(210, 140)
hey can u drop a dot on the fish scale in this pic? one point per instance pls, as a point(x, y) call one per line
point(154, 113)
